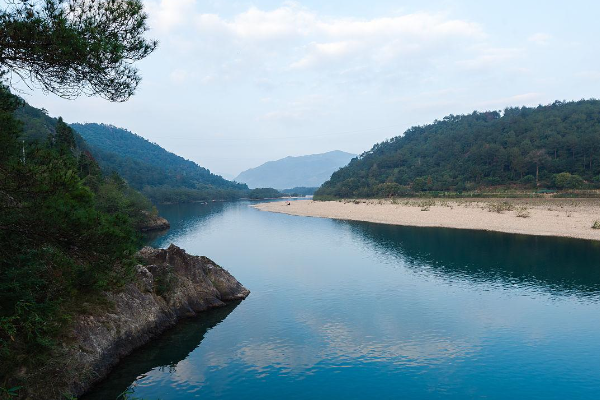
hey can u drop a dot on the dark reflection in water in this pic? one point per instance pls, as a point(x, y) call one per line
point(560, 265)
point(187, 217)
point(164, 353)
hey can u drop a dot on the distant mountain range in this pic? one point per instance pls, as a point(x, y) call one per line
point(291, 172)
point(159, 174)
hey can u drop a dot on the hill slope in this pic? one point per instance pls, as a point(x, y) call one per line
point(524, 147)
point(289, 172)
point(161, 175)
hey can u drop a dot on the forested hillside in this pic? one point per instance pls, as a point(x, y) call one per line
point(159, 174)
point(553, 146)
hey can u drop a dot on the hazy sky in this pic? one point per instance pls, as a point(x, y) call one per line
point(237, 83)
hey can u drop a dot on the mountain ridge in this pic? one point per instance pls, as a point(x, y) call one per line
point(295, 171)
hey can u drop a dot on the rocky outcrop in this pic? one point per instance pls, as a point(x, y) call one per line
point(169, 286)
point(153, 223)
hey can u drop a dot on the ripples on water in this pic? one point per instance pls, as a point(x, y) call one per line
point(357, 310)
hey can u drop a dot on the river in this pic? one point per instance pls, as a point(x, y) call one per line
point(350, 310)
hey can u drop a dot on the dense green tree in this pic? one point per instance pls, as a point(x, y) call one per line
point(565, 180)
point(70, 47)
point(538, 157)
point(265, 193)
point(64, 139)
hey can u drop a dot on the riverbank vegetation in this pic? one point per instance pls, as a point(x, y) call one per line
point(519, 150)
point(68, 232)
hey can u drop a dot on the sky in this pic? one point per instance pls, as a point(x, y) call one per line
point(234, 84)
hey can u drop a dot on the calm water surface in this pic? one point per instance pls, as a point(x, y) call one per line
point(357, 310)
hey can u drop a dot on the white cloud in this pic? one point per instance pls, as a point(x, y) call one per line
point(305, 39)
point(490, 58)
point(327, 52)
point(286, 116)
point(299, 110)
point(524, 99)
point(168, 14)
point(255, 24)
point(540, 38)
point(421, 26)
point(179, 76)
point(589, 75)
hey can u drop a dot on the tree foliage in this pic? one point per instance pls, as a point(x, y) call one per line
point(67, 233)
point(265, 193)
point(521, 147)
point(73, 47)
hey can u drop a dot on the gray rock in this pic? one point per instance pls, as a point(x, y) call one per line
point(153, 223)
point(172, 285)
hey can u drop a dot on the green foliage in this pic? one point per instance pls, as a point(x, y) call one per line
point(64, 139)
point(114, 196)
point(164, 281)
point(162, 176)
point(419, 184)
point(70, 47)
point(520, 148)
point(264, 193)
point(596, 224)
point(11, 393)
point(300, 191)
point(390, 189)
point(527, 180)
point(67, 234)
point(565, 180)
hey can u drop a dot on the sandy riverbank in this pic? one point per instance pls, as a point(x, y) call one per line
point(544, 217)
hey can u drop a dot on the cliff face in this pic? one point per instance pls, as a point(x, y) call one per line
point(172, 285)
point(153, 223)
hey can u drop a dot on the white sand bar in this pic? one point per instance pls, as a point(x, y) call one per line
point(544, 217)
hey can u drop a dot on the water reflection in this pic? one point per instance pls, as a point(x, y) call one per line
point(558, 265)
point(356, 310)
point(186, 218)
point(163, 354)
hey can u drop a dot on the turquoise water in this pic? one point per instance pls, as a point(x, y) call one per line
point(349, 310)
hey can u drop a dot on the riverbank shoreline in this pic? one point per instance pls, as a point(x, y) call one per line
point(571, 218)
